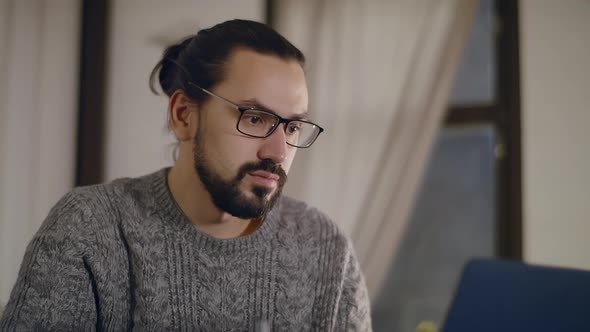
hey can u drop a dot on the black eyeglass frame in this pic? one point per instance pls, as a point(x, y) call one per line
point(242, 109)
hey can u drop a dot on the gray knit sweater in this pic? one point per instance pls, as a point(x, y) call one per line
point(123, 256)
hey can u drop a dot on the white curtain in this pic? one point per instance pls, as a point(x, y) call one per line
point(380, 74)
point(39, 51)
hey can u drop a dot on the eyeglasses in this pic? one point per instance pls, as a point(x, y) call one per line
point(258, 123)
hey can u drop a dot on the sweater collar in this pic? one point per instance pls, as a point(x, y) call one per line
point(172, 215)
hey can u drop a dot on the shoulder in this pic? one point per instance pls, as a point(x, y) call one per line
point(89, 207)
point(120, 191)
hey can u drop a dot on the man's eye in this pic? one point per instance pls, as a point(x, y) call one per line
point(293, 128)
point(254, 119)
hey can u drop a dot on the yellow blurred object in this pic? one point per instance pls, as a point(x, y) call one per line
point(426, 326)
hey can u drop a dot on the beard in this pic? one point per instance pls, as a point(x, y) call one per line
point(227, 195)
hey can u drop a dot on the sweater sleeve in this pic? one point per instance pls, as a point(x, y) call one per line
point(354, 307)
point(54, 289)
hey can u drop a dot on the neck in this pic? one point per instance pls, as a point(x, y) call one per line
point(195, 202)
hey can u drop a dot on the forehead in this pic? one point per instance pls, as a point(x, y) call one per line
point(276, 83)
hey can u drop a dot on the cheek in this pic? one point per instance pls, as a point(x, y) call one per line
point(230, 154)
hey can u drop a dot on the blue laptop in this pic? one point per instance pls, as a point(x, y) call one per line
point(511, 296)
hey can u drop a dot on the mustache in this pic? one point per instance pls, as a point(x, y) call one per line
point(264, 165)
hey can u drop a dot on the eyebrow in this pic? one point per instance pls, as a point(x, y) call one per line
point(253, 102)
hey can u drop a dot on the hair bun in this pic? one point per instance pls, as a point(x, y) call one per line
point(167, 67)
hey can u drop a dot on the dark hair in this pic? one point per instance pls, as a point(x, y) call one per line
point(200, 58)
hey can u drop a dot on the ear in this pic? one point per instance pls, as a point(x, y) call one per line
point(182, 116)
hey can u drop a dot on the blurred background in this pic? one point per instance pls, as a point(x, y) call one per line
point(454, 128)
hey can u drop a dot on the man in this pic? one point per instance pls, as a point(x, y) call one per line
point(209, 244)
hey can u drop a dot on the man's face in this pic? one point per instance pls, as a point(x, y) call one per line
point(245, 175)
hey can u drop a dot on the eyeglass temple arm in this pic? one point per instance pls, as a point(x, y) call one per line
point(214, 95)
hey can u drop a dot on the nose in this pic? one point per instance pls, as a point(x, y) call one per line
point(274, 146)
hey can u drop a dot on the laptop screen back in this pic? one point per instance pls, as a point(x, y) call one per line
point(510, 296)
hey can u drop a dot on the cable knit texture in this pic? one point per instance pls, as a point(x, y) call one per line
point(123, 256)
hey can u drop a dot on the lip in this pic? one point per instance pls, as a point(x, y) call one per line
point(265, 178)
point(266, 175)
